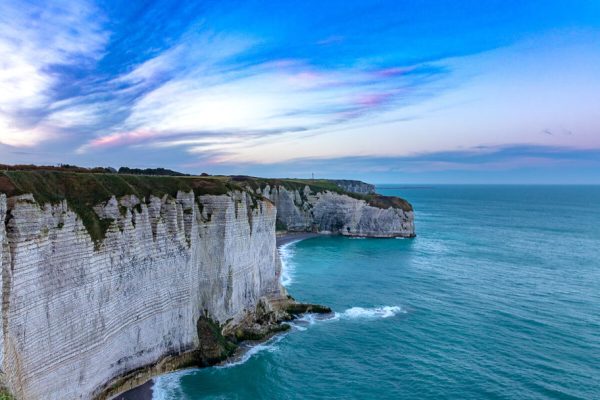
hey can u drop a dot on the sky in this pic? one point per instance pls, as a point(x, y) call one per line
point(421, 91)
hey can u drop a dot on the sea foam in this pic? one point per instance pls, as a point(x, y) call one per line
point(249, 350)
point(288, 268)
point(168, 387)
point(371, 313)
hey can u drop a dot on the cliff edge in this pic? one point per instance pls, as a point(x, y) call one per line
point(323, 206)
point(108, 279)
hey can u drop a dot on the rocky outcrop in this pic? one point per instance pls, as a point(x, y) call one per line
point(354, 186)
point(332, 212)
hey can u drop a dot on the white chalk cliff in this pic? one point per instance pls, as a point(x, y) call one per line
point(326, 211)
point(76, 316)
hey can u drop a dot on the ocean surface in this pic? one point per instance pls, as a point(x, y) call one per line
point(498, 297)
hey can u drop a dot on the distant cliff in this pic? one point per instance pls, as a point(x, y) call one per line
point(312, 208)
point(355, 186)
point(110, 278)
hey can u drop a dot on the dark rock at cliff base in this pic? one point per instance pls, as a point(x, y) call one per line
point(214, 347)
point(303, 308)
point(259, 332)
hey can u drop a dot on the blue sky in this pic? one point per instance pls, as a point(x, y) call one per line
point(385, 91)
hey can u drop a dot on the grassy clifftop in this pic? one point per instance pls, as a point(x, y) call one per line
point(84, 190)
point(93, 188)
point(320, 185)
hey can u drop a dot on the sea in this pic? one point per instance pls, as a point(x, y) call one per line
point(498, 297)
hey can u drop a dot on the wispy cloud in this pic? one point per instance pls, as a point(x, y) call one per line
point(276, 96)
point(37, 44)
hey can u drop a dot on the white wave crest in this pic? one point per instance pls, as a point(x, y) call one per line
point(288, 268)
point(371, 313)
point(250, 350)
point(168, 387)
point(307, 320)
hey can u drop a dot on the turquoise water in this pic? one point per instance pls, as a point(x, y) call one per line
point(497, 298)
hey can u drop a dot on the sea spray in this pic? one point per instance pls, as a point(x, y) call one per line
point(288, 268)
point(371, 313)
point(248, 350)
point(168, 387)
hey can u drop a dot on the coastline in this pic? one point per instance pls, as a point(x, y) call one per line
point(284, 237)
point(145, 391)
point(142, 392)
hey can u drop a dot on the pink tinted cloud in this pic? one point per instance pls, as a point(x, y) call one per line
point(310, 79)
point(364, 104)
point(121, 139)
point(393, 71)
point(373, 99)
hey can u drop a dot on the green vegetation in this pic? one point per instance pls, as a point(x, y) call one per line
point(379, 201)
point(317, 185)
point(243, 334)
point(85, 188)
point(321, 185)
point(95, 170)
point(280, 225)
point(61, 167)
point(5, 395)
point(214, 347)
point(150, 171)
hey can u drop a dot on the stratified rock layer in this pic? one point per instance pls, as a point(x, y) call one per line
point(74, 318)
point(79, 315)
point(4, 265)
point(326, 211)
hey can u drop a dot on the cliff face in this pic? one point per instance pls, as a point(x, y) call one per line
point(75, 317)
point(326, 211)
point(355, 186)
point(127, 281)
point(4, 264)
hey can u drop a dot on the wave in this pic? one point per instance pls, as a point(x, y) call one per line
point(371, 313)
point(288, 268)
point(249, 350)
point(302, 323)
point(168, 387)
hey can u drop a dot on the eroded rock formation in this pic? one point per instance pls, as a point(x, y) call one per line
point(80, 314)
point(327, 211)
point(75, 317)
point(354, 186)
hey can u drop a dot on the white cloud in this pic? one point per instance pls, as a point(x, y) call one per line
point(208, 91)
point(33, 39)
point(17, 137)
